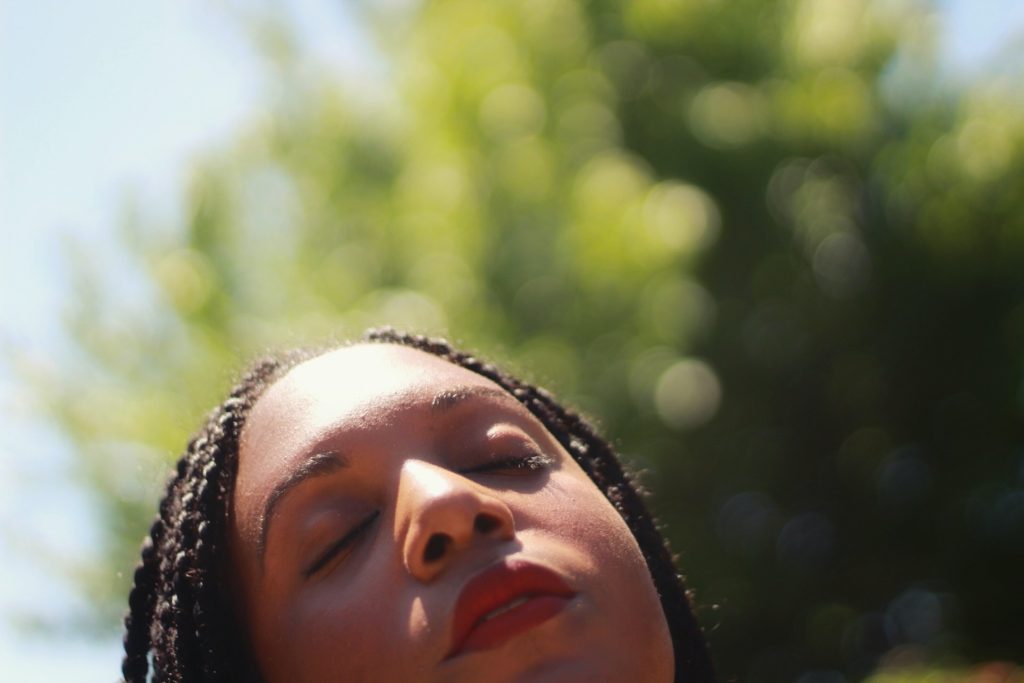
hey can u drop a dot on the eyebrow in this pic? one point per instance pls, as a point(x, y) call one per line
point(449, 399)
point(319, 465)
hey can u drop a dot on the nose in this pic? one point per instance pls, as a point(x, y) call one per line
point(443, 513)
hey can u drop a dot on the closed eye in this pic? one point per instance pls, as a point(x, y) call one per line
point(520, 464)
point(340, 546)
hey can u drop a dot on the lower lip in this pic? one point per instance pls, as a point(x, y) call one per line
point(494, 632)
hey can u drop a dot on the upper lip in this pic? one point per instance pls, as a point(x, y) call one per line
point(498, 585)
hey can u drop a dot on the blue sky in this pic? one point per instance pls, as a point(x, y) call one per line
point(76, 140)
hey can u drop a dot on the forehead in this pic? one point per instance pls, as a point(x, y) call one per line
point(352, 382)
point(364, 387)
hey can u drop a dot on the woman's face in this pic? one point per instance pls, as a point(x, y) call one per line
point(399, 518)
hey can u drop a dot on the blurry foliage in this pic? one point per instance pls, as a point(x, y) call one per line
point(761, 242)
point(990, 672)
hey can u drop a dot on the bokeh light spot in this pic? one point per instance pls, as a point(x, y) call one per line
point(677, 309)
point(726, 115)
point(842, 265)
point(187, 278)
point(827, 31)
point(688, 394)
point(512, 110)
point(680, 217)
point(747, 523)
point(903, 481)
point(806, 543)
point(915, 616)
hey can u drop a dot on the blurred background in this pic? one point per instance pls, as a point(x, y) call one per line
point(775, 248)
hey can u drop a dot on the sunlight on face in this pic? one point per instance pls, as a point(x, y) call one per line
point(399, 518)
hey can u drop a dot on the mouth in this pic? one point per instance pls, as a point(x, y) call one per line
point(504, 600)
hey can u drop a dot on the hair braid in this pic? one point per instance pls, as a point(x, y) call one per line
point(176, 610)
point(143, 596)
point(140, 608)
point(204, 579)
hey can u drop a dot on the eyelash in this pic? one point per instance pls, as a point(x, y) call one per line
point(534, 462)
point(341, 544)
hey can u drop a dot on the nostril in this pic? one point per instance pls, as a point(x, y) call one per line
point(436, 547)
point(485, 524)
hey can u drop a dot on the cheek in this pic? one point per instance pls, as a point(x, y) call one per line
point(625, 622)
point(572, 509)
point(332, 633)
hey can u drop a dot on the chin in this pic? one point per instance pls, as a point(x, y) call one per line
point(562, 652)
point(582, 671)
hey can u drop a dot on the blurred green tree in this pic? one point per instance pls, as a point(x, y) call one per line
point(759, 240)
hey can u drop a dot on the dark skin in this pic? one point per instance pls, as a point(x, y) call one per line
point(354, 461)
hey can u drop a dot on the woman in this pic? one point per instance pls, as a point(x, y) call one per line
point(397, 510)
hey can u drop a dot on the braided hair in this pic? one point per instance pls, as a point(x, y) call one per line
point(181, 626)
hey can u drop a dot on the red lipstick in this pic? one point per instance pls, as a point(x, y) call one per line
point(504, 600)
